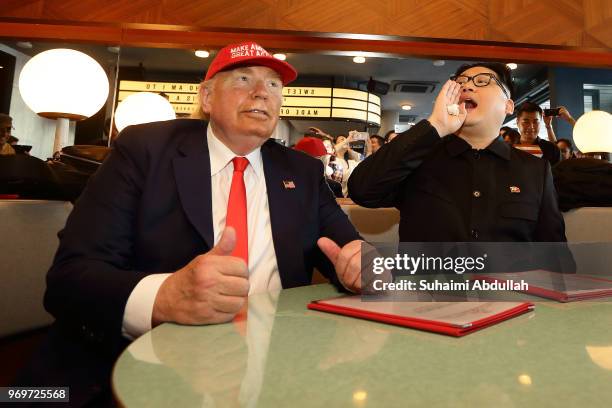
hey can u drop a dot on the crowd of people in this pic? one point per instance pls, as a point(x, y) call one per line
point(529, 119)
point(341, 155)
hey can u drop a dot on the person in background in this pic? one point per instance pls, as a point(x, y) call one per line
point(6, 126)
point(345, 161)
point(14, 142)
point(565, 147)
point(320, 134)
point(329, 147)
point(528, 118)
point(512, 136)
point(503, 130)
point(377, 142)
point(389, 136)
point(343, 148)
point(314, 147)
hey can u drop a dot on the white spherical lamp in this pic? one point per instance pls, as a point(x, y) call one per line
point(593, 132)
point(142, 107)
point(63, 84)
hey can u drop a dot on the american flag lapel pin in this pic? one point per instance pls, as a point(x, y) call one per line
point(288, 184)
point(515, 189)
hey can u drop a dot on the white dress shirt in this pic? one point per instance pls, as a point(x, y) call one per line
point(263, 269)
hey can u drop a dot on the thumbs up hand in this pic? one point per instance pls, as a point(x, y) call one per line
point(346, 261)
point(212, 288)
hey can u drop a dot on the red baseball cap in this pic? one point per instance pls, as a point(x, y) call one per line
point(249, 54)
point(312, 146)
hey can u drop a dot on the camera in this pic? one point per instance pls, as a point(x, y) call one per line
point(358, 143)
point(358, 146)
point(552, 112)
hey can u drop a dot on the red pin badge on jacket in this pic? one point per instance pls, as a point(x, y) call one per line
point(288, 184)
point(515, 189)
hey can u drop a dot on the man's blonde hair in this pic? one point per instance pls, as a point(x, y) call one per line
point(198, 113)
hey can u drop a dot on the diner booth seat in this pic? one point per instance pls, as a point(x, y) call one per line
point(374, 225)
point(29, 241)
point(29, 231)
point(586, 224)
point(583, 227)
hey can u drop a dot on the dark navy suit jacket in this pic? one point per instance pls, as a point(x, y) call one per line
point(148, 210)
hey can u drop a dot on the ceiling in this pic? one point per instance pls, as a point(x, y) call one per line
point(182, 63)
point(330, 64)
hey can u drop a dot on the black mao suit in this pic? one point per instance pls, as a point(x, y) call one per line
point(550, 151)
point(148, 210)
point(446, 191)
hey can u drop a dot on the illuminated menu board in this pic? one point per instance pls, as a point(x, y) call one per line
point(298, 102)
point(331, 103)
point(182, 96)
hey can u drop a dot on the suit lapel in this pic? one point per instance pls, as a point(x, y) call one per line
point(192, 172)
point(283, 203)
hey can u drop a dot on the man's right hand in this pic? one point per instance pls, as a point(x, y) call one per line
point(440, 119)
point(212, 288)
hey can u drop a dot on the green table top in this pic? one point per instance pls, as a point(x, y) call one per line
point(286, 355)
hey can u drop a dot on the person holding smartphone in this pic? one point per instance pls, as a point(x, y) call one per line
point(528, 117)
point(550, 114)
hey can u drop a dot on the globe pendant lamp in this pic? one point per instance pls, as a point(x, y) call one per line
point(593, 132)
point(142, 107)
point(63, 84)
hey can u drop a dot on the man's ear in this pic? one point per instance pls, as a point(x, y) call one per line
point(509, 107)
point(204, 96)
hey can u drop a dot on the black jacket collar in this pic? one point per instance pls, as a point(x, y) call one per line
point(456, 146)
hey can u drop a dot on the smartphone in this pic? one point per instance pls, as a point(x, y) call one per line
point(359, 135)
point(552, 112)
point(358, 146)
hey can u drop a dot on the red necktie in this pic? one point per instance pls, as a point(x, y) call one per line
point(237, 209)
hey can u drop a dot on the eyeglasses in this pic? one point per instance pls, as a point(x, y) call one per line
point(480, 80)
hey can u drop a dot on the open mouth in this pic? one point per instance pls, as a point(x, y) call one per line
point(470, 104)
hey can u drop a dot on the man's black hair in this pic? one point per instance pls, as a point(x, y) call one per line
point(386, 137)
point(529, 106)
point(503, 73)
point(566, 141)
point(381, 140)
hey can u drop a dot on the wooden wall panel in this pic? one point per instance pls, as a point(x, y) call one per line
point(575, 23)
point(598, 20)
point(544, 24)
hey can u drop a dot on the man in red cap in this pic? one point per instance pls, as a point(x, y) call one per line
point(315, 148)
point(185, 218)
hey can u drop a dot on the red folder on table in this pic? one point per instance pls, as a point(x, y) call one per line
point(450, 318)
point(561, 287)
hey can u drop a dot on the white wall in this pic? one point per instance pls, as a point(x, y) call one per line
point(30, 128)
point(286, 131)
point(282, 131)
point(388, 120)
